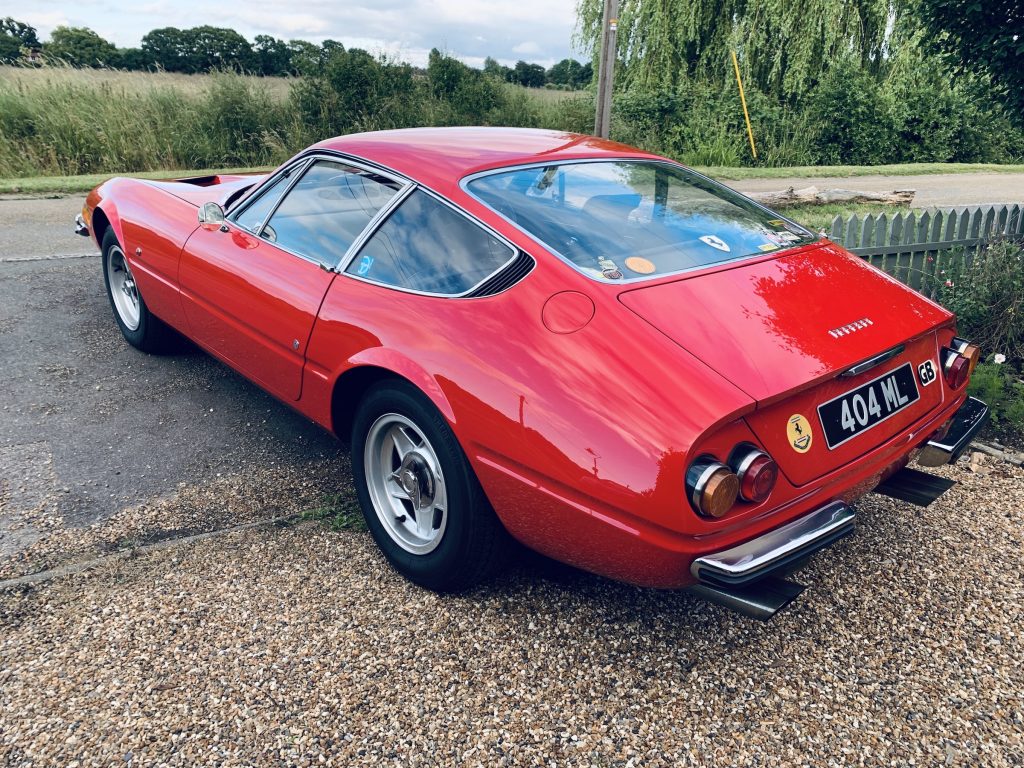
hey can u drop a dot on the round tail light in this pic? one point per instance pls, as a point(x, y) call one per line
point(971, 351)
point(757, 473)
point(712, 487)
point(956, 368)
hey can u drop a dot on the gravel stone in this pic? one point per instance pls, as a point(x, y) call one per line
point(299, 646)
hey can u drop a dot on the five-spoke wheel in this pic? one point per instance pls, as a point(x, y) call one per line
point(420, 497)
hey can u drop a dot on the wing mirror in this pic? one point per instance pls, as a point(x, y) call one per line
point(212, 213)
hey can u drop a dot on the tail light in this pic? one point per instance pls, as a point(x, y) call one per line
point(712, 487)
point(971, 351)
point(757, 473)
point(955, 367)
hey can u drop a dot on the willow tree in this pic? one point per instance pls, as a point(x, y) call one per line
point(785, 45)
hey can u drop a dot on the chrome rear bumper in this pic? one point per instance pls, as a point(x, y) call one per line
point(967, 422)
point(80, 226)
point(773, 551)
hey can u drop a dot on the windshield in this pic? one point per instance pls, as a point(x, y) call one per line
point(622, 220)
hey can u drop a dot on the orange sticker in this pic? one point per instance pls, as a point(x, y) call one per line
point(640, 264)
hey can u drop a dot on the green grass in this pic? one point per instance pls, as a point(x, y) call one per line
point(53, 185)
point(339, 511)
point(819, 217)
point(59, 185)
point(843, 171)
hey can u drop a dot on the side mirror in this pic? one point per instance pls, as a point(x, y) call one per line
point(211, 213)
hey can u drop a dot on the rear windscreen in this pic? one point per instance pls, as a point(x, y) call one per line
point(622, 220)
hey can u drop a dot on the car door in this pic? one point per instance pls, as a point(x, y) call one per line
point(252, 287)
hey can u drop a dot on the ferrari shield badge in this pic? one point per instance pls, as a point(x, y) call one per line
point(798, 430)
point(715, 242)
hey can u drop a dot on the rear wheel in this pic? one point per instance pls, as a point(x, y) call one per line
point(140, 328)
point(421, 500)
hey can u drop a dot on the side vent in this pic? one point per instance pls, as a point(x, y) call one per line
point(505, 278)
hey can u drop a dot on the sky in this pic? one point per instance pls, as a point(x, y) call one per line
point(534, 30)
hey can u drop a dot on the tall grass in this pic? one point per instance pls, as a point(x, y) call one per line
point(62, 121)
point(64, 124)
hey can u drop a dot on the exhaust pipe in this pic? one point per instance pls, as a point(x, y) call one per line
point(760, 600)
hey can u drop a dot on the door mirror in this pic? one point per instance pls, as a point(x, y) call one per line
point(211, 213)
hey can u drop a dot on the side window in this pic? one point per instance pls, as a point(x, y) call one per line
point(256, 212)
point(426, 246)
point(327, 209)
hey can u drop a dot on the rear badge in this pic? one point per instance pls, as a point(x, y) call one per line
point(798, 430)
point(715, 242)
point(640, 265)
point(926, 373)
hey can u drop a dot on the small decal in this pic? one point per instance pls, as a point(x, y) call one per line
point(849, 328)
point(365, 264)
point(715, 242)
point(767, 246)
point(798, 430)
point(775, 222)
point(612, 274)
point(640, 264)
point(926, 373)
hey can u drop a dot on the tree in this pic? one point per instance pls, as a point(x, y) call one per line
point(444, 73)
point(785, 46)
point(571, 73)
point(165, 47)
point(985, 37)
point(272, 56)
point(209, 48)
point(529, 75)
point(496, 69)
point(80, 47)
point(199, 49)
point(134, 59)
point(306, 58)
point(25, 33)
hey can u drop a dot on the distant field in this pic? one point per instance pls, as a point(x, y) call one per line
point(552, 95)
point(134, 83)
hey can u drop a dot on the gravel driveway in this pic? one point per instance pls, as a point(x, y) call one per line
point(293, 644)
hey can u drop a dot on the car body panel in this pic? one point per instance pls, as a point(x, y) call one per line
point(252, 303)
point(579, 430)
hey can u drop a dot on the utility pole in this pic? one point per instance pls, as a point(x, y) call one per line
point(606, 68)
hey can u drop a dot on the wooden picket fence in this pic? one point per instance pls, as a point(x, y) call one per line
point(919, 248)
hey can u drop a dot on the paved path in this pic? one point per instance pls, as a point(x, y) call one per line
point(941, 189)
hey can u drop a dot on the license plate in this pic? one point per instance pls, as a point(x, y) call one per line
point(857, 411)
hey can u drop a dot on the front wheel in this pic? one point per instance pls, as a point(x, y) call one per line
point(421, 500)
point(140, 327)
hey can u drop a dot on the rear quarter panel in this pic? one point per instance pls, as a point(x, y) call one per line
point(604, 416)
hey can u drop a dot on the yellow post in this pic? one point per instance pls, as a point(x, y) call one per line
point(743, 100)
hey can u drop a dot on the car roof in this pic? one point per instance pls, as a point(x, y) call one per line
point(441, 156)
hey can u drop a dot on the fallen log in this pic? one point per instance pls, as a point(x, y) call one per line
point(815, 196)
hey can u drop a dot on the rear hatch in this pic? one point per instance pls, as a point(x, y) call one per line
point(787, 331)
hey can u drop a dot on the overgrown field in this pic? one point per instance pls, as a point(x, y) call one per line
point(63, 121)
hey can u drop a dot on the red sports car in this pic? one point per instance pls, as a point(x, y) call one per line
point(608, 357)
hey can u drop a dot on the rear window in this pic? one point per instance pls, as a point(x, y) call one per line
point(622, 220)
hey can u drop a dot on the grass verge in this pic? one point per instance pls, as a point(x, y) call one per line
point(58, 185)
point(843, 171)
point(341, 512)
point(43, 185)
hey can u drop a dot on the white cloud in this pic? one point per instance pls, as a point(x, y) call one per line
point(539, 30)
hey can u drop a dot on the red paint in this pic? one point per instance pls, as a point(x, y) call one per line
point(567, 312)
point(578, 404)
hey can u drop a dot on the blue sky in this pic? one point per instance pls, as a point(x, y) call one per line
point(535, 30)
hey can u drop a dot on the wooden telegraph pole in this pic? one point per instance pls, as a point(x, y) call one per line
point(606, 68)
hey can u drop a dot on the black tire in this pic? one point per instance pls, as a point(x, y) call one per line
point(473, 544)
point(151, 334)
